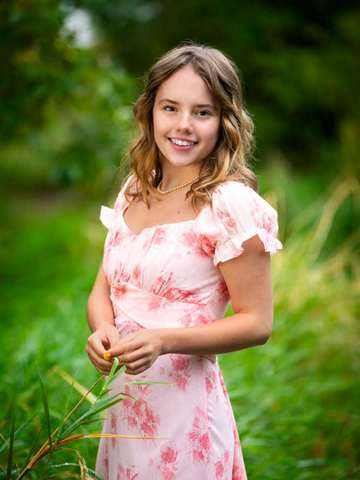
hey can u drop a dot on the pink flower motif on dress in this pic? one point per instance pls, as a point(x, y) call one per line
point(237, 473)
point(191, 241)
point(222, 291)
point(137, 411)
point(193, 318)
point(210, 381)
point(159, 236)
point(136, 275)
point(199, 441)
point(206, 245)
point(180, 295)
point(118, 239)
point(162, 283)
point(126, 473)
point(225, 217)
point(127, 326)
point(105, 460)
point(261, 217)
point(169, 462)
point(188, 238)
point(119, 287)
point(180, 374)
point(113, 426)
point(156, 303)
point(147, 242)
point(221, 465)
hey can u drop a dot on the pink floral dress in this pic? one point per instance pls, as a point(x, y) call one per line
point(168, 276)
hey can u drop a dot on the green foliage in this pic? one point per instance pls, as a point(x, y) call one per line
point(68, 108)
point(295, 398)
point(299, 63)
point(61, 437)
point(66, 118)
point(71, 104)
point(34, 62)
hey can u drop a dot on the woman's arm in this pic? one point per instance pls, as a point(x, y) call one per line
point(248, 278)
point(100, 315)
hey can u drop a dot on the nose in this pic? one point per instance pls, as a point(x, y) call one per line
point(184, 122)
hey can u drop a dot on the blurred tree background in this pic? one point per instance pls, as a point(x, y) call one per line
point(70, 72)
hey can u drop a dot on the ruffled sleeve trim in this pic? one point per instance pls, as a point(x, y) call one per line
point(233, 247)
point(109, 215)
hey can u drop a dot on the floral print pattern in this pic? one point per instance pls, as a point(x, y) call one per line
point(168, 276)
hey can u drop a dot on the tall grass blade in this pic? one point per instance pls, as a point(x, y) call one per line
point(63, 417)
point(91, 398)
point(33, 447)
point(115, 365)
point(19, 430)
point(46, 408)
point(94, 411)
point(11, 445)
point(62, 465)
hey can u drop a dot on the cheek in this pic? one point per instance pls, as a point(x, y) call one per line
point(161, 123)
point(212, 135)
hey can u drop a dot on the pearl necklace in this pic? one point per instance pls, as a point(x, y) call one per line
point(165, 192)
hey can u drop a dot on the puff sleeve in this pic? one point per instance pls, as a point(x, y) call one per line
point(238, 213)
point(109, 215)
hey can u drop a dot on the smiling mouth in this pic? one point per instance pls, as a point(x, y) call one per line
point(182, 143)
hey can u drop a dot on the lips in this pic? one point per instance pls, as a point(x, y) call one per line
point(185, 145)
point(182, 142)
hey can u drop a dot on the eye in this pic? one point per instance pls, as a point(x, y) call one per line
point(169, 108)
point(204, 113)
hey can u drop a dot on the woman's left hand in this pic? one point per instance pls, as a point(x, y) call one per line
point(139, 350)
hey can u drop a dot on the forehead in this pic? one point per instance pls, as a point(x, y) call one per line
point(185, 85)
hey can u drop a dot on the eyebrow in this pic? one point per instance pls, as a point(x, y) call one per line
point(200, 105)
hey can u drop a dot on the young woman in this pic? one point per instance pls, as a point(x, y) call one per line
point(188, 233)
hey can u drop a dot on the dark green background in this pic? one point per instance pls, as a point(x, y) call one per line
point(66, 123)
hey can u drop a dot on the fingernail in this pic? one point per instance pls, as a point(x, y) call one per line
point(108, 357)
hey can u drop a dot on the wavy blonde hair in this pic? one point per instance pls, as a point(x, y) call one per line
point(233, 151)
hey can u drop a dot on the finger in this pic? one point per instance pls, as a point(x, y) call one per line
point(99, 368)
point(99, 361)
point(132, 357)
point(97, 345)
point(121, 350)
point(140, 364)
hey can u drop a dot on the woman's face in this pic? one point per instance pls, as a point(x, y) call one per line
point(186, 119)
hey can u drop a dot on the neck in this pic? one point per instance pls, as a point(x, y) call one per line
point(177, 176)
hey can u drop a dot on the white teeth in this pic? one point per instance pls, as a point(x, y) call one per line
point(182, 143)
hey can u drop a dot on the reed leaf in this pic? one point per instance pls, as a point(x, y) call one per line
point(62, 421)
point(91, 398)
point(18, 431)
point(46, 407)
point(109, 402)
point(67, 464)
point(11, 444)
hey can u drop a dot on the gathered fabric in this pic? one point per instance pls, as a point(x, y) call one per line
point(168, 276)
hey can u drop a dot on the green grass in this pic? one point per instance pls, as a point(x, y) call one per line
point(295, 398)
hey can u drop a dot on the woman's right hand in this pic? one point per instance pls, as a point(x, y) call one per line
point(102, 339)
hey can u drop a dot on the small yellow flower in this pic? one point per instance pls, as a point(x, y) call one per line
point(108, 357)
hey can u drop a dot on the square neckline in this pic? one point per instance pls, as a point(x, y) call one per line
point(162, 225)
